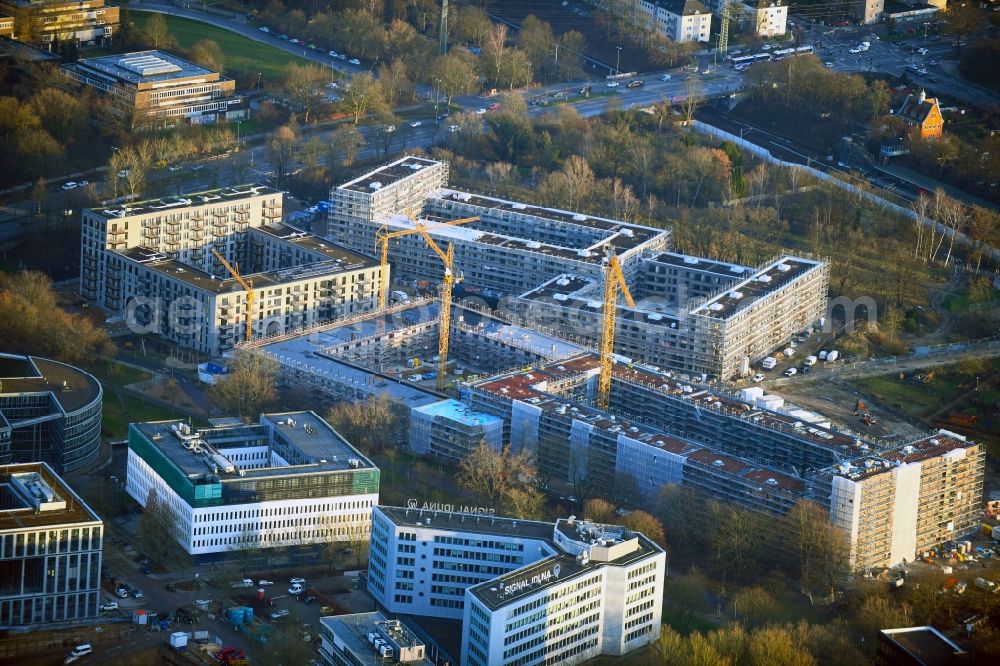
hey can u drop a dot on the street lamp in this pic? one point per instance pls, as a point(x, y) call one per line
point(238, 123)
point(258, 82)
point(437, 95)
point(618, 62)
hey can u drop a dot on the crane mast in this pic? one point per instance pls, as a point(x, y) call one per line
point(614, 280)
point(450, 279)
point(247, 287)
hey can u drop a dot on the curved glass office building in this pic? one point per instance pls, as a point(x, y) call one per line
point(49, 412)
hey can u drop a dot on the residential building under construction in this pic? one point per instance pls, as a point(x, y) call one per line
point(546, 266)
point(195, 269)
point(893, 499)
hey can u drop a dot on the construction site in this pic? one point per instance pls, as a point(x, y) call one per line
point(571, 369)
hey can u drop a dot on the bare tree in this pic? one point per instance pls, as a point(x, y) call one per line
point(364, 96)
point(303, 83)
point(599, 510)
point(455, 73)
point(359, 541)
point(245, 547)
point(921, 209)
point(373, 425)
point(157, 31)
point(647, 524)
point(280, 149)
point(158, 527)
point(345, 144)
point(692, 99)
point(248, 386)
point(493, 474)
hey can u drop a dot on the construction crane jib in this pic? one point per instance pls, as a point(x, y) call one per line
point(614, 279)
point(382, 238)
point(247, 287)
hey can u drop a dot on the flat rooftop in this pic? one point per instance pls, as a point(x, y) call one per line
point(473, 523)
point(918, 450)
point(512, 587)
point(165, 204)
point(768, 280)
point(460, 412)
point(387, 175)
point(533, 387)
point(70, 387)
point(622, 235)
point(926, 644)
point(583, 293)
point(144, 67)
point(688, 262)
point(322, 448)
point(15, 515)
point(331, 260)
point(353, 630)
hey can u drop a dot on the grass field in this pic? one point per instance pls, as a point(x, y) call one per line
point(121, 408)
point(242, 55)
point(116, 373)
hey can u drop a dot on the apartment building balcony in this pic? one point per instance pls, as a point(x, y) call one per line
point(272, 213)
point(220, 226)
point(242, 217)
point(173, 246)
point(151, 233)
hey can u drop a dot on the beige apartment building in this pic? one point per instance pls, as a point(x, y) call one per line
point(155, 89)
point(152, 264)
point(44, 22)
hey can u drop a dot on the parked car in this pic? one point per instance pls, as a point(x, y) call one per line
point(665, 77)
point(175, 168)
point(171, 587)
point(613, 84)
point(354, 61)
point(453, 128)
point(638, 83)
point(828, 65)
point(295, 589)
point(70, 185)
point(278, 614)
point(297, 581)
point(83, 183)
point(109, 606)
point(416, 123)
point(263, 582)
point(390, 129)
point(308, 600)
point(790, 371)
point(282, 36)
point(480, 111)
point(265, 29)
point(759, 377)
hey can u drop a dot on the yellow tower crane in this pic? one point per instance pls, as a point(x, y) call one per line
point(382, 238)
point(450, 279)
point(247, 287)
point(614, 280)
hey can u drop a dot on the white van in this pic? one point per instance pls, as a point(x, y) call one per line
point(453, 128)
point(769, 363)
point(79, 651)
point(400, 297)
point(810, 360)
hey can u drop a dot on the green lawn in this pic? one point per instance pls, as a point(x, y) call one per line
point(116, 373)
point(242, 55)
point(121, 408)
point(908, 398)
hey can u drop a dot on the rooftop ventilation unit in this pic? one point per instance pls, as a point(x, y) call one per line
point(784, 268)
point(375, 185)
point(580, 218)
point(771, 482)
point(718, 463)
point(518, 206)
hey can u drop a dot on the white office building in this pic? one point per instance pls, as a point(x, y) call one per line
point(527, 592)
point(290, 480)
